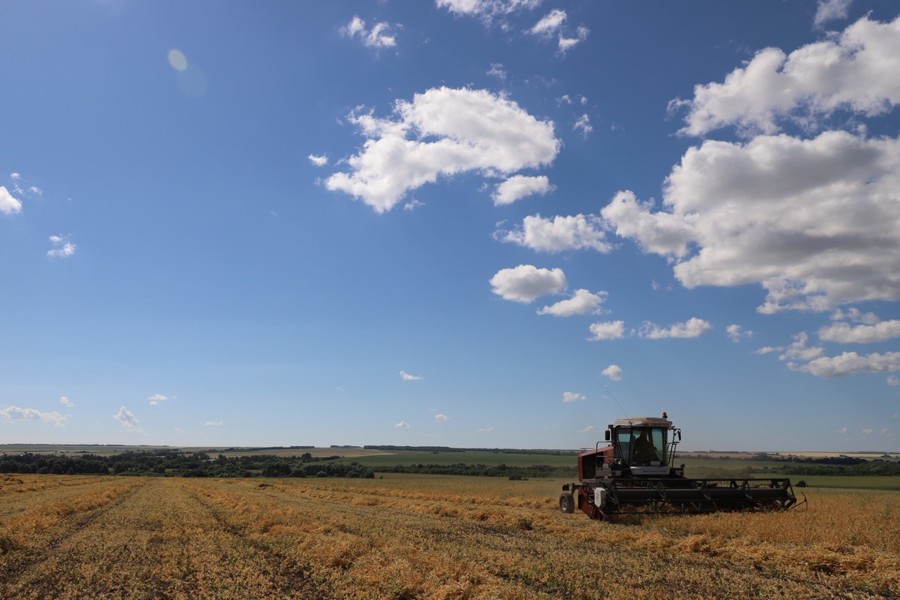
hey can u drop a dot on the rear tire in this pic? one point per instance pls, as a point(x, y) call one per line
point(566, 503)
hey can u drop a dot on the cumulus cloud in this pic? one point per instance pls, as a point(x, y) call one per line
point(609, 330)
point(127, 419)
point(736, 333)
point(525, 283)
point(588, 429)
point(854, 315)
point(810, 220)
point(799, 350)
point(614, 372)
point(8, 204)
point(849, 363)
point(319, 160)
point(582, 302)
point(379, 36)
point(15, 413)
point(442, 132)
point(441, 418)
point(61, 247)
point(156, 399)
point(893, 380)
point(854, 71)
point(520, 186)
point(410, 377)
point(65, 401)
point(568, 397)
point(768, 350)
point(813, 221)
point(558, 234)
point(401, 425)
point(845, 333)
point(691, 328)
point(831, 10)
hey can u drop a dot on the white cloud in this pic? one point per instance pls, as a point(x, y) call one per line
point(520, 186)
point(549, 23)
point(854, 71)
point(568, 397)
point(588, 429)
point(893, 380)
point(441, 418)
point(401, 425)
point(486, 9)
point(410, 377)
point(583, 124)
point(15, 413)
point(691, 328)
point(736, 333)
point(127, 419)
point(413, 205)
point(812, 221)
point(213, 424)
point(582, 302)
point(157, 399)
point(484, 429)
point(844, 333)
point(849, 363)
point(62, 248)
point(831, 10)
point(768, 350)
point(379, 36)
point(442, 132)
point(614, 372)
point(798, 350)
point(525, 283)
point(8, 204)
point(855, 315)
point(319, 160)
point(559, 233)
point(610, 330)
point(566, 43)
point(65, 401)
point(867, 431)
point(497, 71)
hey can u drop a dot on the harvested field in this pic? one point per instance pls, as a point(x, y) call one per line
point(421, 537)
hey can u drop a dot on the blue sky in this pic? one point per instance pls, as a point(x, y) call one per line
point(479, 223)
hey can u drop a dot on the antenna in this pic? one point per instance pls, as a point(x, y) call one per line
point(610, 394)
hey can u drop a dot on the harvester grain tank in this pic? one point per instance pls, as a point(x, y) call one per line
point(636, 473)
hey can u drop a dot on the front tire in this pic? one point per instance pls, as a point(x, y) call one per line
point(566, 503)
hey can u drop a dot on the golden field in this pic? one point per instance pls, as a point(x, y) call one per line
point(421, 537)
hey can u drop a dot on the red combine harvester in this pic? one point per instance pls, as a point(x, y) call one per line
point(636, 473)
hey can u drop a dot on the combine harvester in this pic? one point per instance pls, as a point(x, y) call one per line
point(636, 474)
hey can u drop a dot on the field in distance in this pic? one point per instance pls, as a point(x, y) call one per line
point(421, 536)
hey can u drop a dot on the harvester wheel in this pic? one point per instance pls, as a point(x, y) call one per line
point(566, 503)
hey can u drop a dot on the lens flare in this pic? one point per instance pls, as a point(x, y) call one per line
point(177, 59)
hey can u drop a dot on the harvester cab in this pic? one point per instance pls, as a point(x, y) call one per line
point(636, 473)
point(643, 446)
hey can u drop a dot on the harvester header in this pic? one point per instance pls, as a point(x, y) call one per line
point(636, 473)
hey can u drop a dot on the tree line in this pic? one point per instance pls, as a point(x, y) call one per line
point(184, 464)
